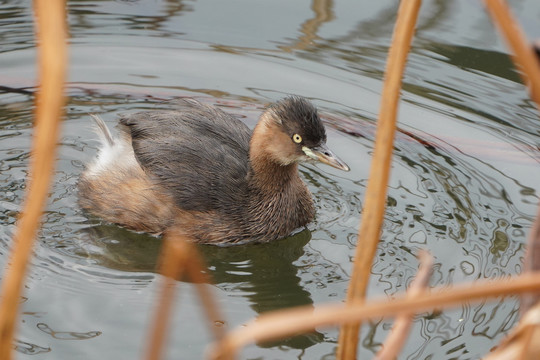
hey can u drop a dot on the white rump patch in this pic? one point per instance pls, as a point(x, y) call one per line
point(113, 154)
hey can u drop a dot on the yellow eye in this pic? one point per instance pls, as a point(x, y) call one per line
point(297, 138)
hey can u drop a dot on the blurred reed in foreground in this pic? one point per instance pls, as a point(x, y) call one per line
point(51, 31)
point(180, 257)
point(292, 321)
point(375, 198)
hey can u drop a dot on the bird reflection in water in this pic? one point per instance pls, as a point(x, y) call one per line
point(265, 274)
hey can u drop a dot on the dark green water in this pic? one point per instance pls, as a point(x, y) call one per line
point(464, 180)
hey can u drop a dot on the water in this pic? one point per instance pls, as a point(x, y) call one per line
point(463, 183)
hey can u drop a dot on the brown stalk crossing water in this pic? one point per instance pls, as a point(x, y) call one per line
point(463, 184)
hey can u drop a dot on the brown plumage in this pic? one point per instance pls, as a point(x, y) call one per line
point(203, 172)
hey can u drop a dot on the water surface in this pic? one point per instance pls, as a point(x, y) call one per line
point(463, 183)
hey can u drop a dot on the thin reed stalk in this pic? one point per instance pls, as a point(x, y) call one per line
point(52, 54)
point(283, 323)
point(173, 259)
point(375, 201)
point(524, 55)
point(402, 325)
point(524, 340)
point(532, 262)
point(526, 59)
point(178, 257)
point(208, 302)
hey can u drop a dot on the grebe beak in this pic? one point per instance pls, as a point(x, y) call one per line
point(323, 154)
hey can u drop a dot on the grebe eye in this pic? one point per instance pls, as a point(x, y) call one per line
point(297, 138)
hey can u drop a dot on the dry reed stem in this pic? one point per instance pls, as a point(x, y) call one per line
point(213, 314)
point(523, 342)
point(524, 54)
point(283, 323)
point(532, 262)
point(173, 259)
point(179, 256)
point(400, 331)
point(52, 54)
point(373, 212)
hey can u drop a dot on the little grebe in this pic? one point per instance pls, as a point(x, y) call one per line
point(203, 172)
